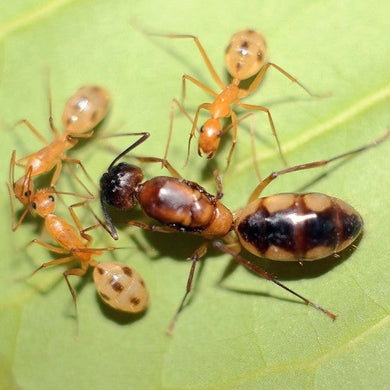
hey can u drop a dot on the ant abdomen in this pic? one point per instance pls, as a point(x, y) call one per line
point(245, 54)
point(121, 287)
point(85, 109)
point(291, 227)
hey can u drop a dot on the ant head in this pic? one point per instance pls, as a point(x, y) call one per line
point(118, 188)
point(85, 109)
point(119, 185)
point(209, 137)
point(44, 202)
point(24, 190)
point(245, 54)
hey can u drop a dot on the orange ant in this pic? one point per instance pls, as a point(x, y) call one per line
point(82, 112)
point(281, 227)
point(245, 57)
point(30, 196)
point(119, 285)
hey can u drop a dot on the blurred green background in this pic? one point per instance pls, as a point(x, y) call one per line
point(238, 332)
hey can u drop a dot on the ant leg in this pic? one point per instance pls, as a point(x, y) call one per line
point(96, 225)
point(62, 260)
point(11, 172)
point(230, 126)
point(218, 181)
point(255, 83)
point(171, 119)
point(193, 129)
point(239, 120)
point(56, 174)
point(183, 110)
point(234, 126)
point(200, 252)
point(33, 129)
point(19, 161)
point(257, 191)
point(259, 271)
point(271, 122)
point(154, 228)
point(198, 84)
point(51, 248)
point(77, 222)
point(75, 272)
point(165, 164)
point(81, 135)
point(233, 243)
point(201, 50)
point(83, 231)
point(254, 154)
point(78, 163)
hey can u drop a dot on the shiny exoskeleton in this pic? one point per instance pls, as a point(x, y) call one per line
point(283, 227)
point(179, 204)
point(176, 203)
point(245, 57)
point(82, 112)
point(288, 227)
point(119, 285)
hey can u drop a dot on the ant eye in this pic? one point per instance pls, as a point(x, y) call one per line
point(51, 198)
point(34, 205)
point(27, 193)
point(201, 129)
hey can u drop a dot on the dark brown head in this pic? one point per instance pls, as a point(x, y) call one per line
point(118, 188)
point(119, 184)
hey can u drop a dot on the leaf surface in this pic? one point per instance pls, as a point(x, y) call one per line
point(238, 331)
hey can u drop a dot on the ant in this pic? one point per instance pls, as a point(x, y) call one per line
point(82, 112)
point(30, 196)
point(281, 227)
point(245, 57)
point(120, 286)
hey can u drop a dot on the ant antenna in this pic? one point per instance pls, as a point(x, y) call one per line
point(145, 136)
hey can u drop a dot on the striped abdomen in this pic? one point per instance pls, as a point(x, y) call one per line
point(297, 226)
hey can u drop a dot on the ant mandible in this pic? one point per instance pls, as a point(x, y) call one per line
point(82, 112)
point(119, 285)
point(245, 57)
point(281, 227)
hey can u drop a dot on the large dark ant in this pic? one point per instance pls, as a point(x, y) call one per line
point(281, 227)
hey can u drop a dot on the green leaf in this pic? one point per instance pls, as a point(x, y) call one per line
point(238, 331)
